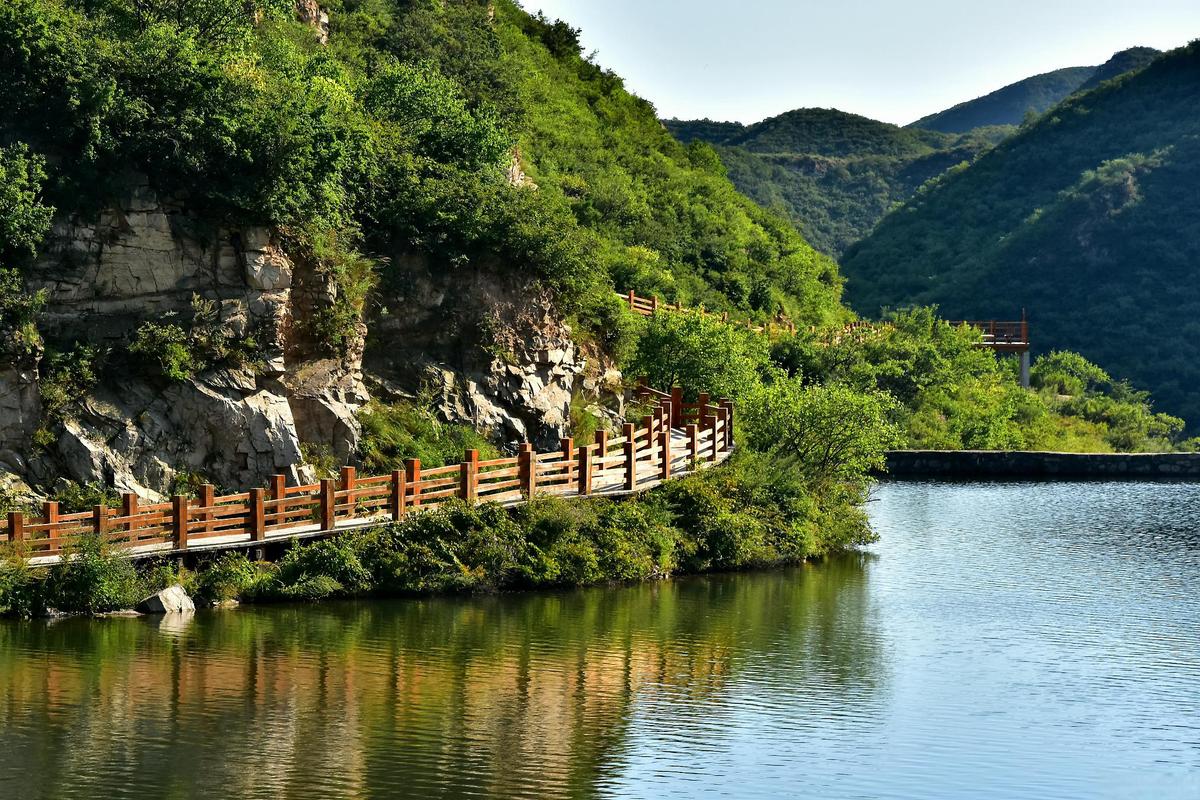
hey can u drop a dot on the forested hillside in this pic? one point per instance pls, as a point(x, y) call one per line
point(1010, 105)
point(1089, 219)
point(834, 174)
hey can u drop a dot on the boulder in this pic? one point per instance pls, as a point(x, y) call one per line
point(171, 600)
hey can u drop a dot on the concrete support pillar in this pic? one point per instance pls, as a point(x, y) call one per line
point(1025, 369)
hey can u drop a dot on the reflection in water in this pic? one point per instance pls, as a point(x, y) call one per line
point(1009, 640)
point(523, 695)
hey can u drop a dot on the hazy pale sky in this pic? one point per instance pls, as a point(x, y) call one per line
point(894, 61)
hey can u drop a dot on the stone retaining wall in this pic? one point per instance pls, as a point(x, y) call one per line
point(904, 464)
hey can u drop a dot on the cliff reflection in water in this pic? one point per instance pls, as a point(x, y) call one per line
point(522, 695)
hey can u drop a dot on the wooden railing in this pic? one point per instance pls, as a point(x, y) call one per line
point(649, 306)
point(676, 437)
point(1010, 337)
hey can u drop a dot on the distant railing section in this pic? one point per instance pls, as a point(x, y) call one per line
point(1011, 337)
point(648, 306)
point(676, 437)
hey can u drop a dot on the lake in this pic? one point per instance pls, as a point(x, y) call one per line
point(1013, 640)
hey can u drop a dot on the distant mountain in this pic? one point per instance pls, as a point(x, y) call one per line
point(1089, 218)
point(834, 173)
point(1010, 104)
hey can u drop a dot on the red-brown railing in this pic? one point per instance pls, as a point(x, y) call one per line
point(1006, 336)
point(997, 335)
point(649, 306)
point(674, 438)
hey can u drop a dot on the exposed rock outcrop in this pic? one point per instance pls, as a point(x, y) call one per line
point(310, 13)
point(146, 259)
point(490, 347)
point(172, 600)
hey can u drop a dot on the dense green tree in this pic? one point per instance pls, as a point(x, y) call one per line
point(828, 433)
point(701, 354)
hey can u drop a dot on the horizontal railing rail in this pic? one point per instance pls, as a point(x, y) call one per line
point(674, 438)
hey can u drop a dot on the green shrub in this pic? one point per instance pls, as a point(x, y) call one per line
point(24, 220)
point(18, 317)
point(66, 377)
point(73, 496)
point(226, 578)
point(92, 579)
point(166, 347)
point(395, 432)
point(310, 588)
point(22, 587)
point(830, 433)
point(334, 558)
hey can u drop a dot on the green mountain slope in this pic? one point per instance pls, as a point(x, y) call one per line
point(1010, 104)
point(1089, 219)
point(1125, 61)
point(834, 174)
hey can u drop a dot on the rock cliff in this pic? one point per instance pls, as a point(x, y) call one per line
point(490, 351)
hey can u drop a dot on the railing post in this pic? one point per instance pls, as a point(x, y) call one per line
point(693, 439)
point(412, 467)
point(16, 526)
point(708, 423)
point(676, 406)
point(179, 520)
point(702, 405)
point(129, 506)
point(664, 449)
point(728, 406)
point(632, 300)
point(568, 451)
point(328, 503)
point(258, 517)
point(719, 444)
point(602, 443)
point(630, 458)
point(399, 489)
point(468, 476)
point(50, 512)
point(527, 469)
point(100, 520)
point(208, 497)
point(278, 494)
point(648, 427)
point(585, 470)
point(349, 481)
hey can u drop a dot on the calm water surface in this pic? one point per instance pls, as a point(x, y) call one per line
point(1015, 640)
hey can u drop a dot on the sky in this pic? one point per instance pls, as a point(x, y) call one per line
point(893, 61)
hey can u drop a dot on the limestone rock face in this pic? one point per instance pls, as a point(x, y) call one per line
point(148, 259)
point(172, 600)
point(221, 425)
point(491, 348)
point(20, 409)
point(310, 13)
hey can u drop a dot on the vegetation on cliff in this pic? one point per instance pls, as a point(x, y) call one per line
point(1086, 218)
point(397, 137)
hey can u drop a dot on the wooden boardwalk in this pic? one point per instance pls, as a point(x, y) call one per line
point(675, 438)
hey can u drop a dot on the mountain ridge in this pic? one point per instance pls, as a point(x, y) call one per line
point(1087, 217)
